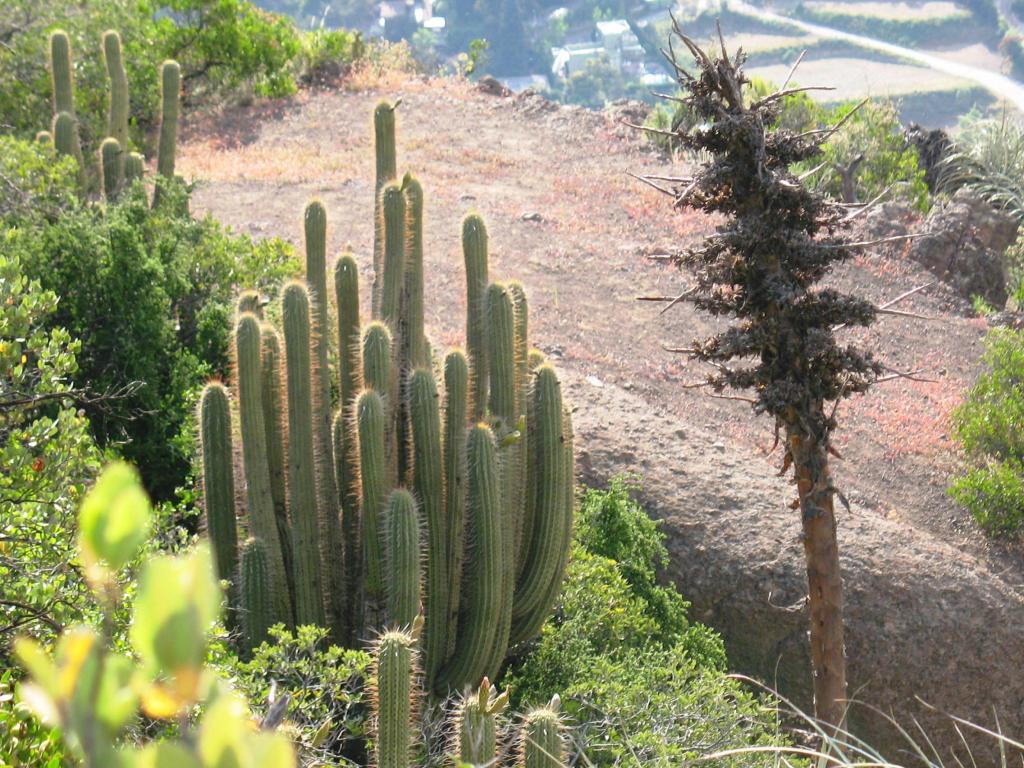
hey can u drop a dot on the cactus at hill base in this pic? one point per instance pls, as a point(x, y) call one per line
point(504, 411)
point(394, 699)
point(170, 87)
point(428, 483)
point(110, 168)
point(548, 538)
point(402, 553)
point(456, 385)
point(541, 742)
point(474, 251)
point(487, 515)
point(255, 588)
point(346, 294)
point(134, 167)
point(118, 106)
point(302, 477)
point(65, 141)
point(483, 588)
point(369, 413)
point(387, 170)
point(219, 480)
point(476, 725)
point(272, 397)
point(332, 539)
point(62, 73)
point(262, 519)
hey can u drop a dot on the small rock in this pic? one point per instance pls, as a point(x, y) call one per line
point(594, 381)
point(533, 216)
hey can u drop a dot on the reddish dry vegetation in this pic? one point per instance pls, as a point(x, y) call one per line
point(566, 218)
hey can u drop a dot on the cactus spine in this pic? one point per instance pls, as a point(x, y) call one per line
point(387, 170)
point(402, 549)
point(302, 478)
point(541, 740)
point(413, 338)
point(372, 472)
point(474, 251)
point(456, 383)
point(118, 108)
point(61, 73)
point(273, 410)
point(170, 86)
point(255, 587)
point(346, 293)
point(262, 520)
point(477, 725)
point(393, 203)
point(481, 606)
point(110, 167)
point(428, 482)
point(332, 562)
point(219, 480)
point(523, 478)
point(395, 667)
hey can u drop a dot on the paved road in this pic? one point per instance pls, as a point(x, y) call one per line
point(1001, 86)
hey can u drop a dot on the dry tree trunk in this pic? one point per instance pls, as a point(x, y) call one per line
point(824, 578)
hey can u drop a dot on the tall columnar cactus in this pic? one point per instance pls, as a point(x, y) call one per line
point(523, 480)
point(456, 385)
point(272, 397)
point(474, 251)
point(346, 463)
point(219, 480)
point(481, 605)
point(552, 525)
point(62, 79)
point(256, 588)
point(332, 540)
point(262, 521)
point(302, 477)
point(170, 88)
point(369, 413)
point(387, 170)
point(249, 301)
point(394, 698)
point(393, 205)
point(110, 167)
point(65, 141)
point(414, 339)
point(428, 483)
point(134, 167)
point(377, 360)
point(117, 105)
point(541, 741)
point(476, 728)
point(402, 552)
point(505, 416)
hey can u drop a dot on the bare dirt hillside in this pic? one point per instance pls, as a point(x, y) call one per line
point(934, 610)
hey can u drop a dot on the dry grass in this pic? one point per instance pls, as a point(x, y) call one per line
point(933, 9)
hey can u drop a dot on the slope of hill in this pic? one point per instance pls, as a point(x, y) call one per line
point(932, 606)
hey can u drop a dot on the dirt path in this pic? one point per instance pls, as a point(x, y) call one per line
point(565, 218)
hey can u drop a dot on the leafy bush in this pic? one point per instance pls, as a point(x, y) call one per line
point(326, 715)
point(906, 31)
point(94, 692)
point(148, 292)
point(328, 53)
point(47, 456)
point(640, 681)
point(990, 427)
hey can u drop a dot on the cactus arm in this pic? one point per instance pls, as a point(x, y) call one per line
point(111, 162)
point(394, 699)
point(387, 170)
point(429, 487)
point(255, 587)
point(456, 382)
point(118, 102)
point(62, 79)
point(474, 251)
point(369, 413)
point(402, 549)
point(170, 86)
point(541, 741)
point(219, 483)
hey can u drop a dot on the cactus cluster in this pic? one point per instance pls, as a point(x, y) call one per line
point(117, 166)
point(481, 733)
point(404, 496)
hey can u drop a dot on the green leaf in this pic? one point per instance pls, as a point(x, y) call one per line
point(166, 754)
point(114, 519)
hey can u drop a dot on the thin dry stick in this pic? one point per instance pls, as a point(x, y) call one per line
point(792, 70)
point(891, 302)
point(866, 207)
point(827, 132)
point(658, 187)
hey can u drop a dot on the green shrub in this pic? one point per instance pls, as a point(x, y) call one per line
point(639, 680)
point(987, 158)
point(990, 427)
point(47, 457)
point(327, 712)
point(328, 54)
point(147, 291)
point(906, 32)
point(24, 741)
